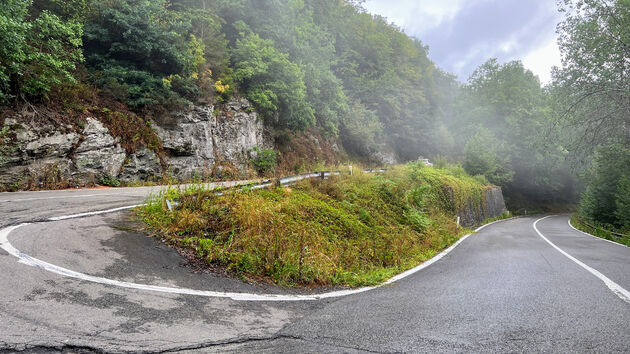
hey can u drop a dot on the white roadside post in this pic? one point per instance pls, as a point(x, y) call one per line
point(458, 222)
point(350, 168)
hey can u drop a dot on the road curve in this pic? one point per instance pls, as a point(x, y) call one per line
point(505, 288)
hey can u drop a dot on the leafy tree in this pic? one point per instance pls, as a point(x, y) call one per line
point(622, 200)
point(35, 53)
point(485, 155)
point(141, 52)
point(362, 130)
point(592, 94)
point(76, 10)
point(272, 82)
point(507, 100)
point(593, 85)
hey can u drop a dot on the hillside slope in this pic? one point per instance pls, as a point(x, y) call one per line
point(345, 230)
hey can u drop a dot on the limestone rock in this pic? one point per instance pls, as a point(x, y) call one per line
point(237, 132)
point(189, 141)
point(385, 156)
point(143, 165)
point(99, 153)
point(197, 140)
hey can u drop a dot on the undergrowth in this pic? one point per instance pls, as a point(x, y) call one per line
point(599, 231)
point(346, 230)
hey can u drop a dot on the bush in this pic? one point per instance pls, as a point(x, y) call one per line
point(264, 160)
point(272, 82)
point(110, 181)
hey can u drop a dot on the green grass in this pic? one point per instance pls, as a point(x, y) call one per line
point(503, 216)
point(347, 230)
point(598, 231)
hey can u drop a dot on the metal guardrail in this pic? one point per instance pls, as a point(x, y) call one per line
point(614, 234)
point(283, 181)
point(291, 180)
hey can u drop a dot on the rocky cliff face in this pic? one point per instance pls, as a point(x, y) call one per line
point(196, 142)
point(492, 206)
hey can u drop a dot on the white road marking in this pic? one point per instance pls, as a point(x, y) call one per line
point(91, 213)
point(128, 191)
point(616, 288)
point(599, 238)
point(64, 197)
point(31, 261)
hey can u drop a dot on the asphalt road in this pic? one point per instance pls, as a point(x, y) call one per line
point(503, 289)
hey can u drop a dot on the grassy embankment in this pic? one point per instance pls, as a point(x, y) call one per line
point(598, 231)
point(346, 230)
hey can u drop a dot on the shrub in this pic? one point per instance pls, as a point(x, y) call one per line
point(264, 160)
point(272, 82)
point(110, 181)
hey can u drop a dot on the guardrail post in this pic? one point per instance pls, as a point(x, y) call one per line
point(322, 175)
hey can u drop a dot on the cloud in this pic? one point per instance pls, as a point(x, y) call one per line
point(419, 15)
point(463, 35)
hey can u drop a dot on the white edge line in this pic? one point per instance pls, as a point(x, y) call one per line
point(34, 262)
point(599, 238)
point(614, 287)
point(74, 216)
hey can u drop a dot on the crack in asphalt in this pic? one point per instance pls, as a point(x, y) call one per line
point(75, 348)
point(39, 348)
point(245, 340)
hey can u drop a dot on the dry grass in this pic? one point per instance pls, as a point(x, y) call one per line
point(347, 230)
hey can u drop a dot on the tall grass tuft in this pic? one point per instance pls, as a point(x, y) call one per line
point(345, 230)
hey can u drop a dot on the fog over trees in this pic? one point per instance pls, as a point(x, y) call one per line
point(330, 66)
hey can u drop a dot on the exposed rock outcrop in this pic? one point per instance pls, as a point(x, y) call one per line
point(491, 206)
point(197, 141)
point(143, 165)
point(188, 141)
point(99, 153)
point(384, 156)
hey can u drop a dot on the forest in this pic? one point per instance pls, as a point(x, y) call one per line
point(330, 66)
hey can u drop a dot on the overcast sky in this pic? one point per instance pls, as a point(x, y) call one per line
point(462, 35)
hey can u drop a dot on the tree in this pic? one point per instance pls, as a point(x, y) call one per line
point(606, 184)
point(272, 82)
point(35, 53)
point(141, 52)
point(507, 100)
point(622, 200)
point(592, 91)
point(485, 155)
point(593, 85)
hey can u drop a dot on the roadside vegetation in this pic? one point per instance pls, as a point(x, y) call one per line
point(345, 230)
point(600, 231)
point(329, 71)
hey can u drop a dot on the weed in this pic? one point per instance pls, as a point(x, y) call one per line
point(345, 230)
point(598, 231)
point(110, 181)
